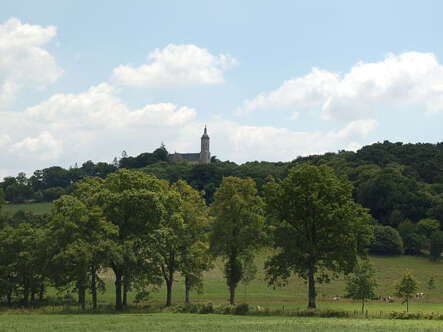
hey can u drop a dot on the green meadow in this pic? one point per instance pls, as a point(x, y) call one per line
point(36, 208)
point(190, 322)
point(294, 295)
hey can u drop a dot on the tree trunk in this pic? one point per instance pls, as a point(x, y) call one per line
point(169, 292)
point(311, 291)
point(362, 306)
point(33, 297)
point(125, 291)
point(25, 292)
point(407, 305)
point(232, 294)
point(94, 287)
point(82, 296)
point(9, 298)
point(187, 289)
point(118, 290)
point(41, 292)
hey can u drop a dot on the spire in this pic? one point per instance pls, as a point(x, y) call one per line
point(205, 133)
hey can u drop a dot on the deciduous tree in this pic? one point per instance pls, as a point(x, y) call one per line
point(317, 227)
point(361, 284)
point(406, 288)
point(239, 227)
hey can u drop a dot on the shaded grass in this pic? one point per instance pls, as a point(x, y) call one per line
point(189, 322)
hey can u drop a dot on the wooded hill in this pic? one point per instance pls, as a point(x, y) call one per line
point(401, 184)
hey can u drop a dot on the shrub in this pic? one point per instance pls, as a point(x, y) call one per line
point(224, 309)
point(387, 241)
point(207, 308)
point(241, 309)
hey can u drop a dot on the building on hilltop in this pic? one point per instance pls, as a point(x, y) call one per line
point(204, 157)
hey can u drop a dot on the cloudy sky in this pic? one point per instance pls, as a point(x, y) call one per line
point(273, 80)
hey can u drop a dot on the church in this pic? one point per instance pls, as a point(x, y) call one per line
point(204, 157)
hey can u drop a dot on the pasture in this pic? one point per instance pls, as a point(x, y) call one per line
point(294, 295)
point(192, 322)
point(37, 208)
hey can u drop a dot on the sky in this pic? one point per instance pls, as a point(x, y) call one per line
point(272, 80)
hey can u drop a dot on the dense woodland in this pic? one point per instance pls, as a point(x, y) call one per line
point(147, 219)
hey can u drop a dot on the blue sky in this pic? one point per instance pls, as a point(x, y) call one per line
point(274, 80)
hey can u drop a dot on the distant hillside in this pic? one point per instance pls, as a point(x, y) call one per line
point(396, 181)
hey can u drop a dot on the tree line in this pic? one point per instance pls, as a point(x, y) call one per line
point(147, 231)
point(400, 184)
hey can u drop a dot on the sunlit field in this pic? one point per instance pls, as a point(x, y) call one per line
point(36, 208)
point(294, 295)
point(189, 322)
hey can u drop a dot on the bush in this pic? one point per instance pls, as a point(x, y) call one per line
point(413, 243)
point(224, 309)
point(387, 241)
point(207, 308)
point(241, 309)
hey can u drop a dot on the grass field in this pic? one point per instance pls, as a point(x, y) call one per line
point(37, 208)
point(189, 322)
point(294, 296)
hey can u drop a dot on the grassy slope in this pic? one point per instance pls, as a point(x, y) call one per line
point(389, 270)
point(188, 322)
point(37, 208)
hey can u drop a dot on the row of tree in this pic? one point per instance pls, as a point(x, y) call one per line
point(147, 231)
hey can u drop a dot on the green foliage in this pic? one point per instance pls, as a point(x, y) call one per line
point(431, 283)
point(436, 245)
point(2, 198)
point(82, 241)
point(427, 227)
point(238, 229)
point(137, 204)
point(361, 284)
point(317, 227)
point(406, 288)
point(23, 258)
point(386, 241)
point(241, 309)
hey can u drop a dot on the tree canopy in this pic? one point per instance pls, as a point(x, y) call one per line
point(317, 227)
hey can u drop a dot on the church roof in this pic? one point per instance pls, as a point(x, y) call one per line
point(192, 157)
point(205, 134)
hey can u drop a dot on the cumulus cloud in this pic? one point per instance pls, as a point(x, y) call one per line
point(248, 143)
point(233, 141)
point(176, 65)
point(100, 108)
point(398, 80)
point(23, 61)
point(95, 124)
point(44, 146)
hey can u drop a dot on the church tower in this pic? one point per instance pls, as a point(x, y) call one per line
point(205, 155)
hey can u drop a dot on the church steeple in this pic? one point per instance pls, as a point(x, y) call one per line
point(205, 155)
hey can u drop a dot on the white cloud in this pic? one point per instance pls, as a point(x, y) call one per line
point(281, 144)
point(398, 80)
point(94, 124)
point(176, 65)
point(23, 61)
point(43, 147)
point(240, 143)
point(4, 139)
point(100, 108)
